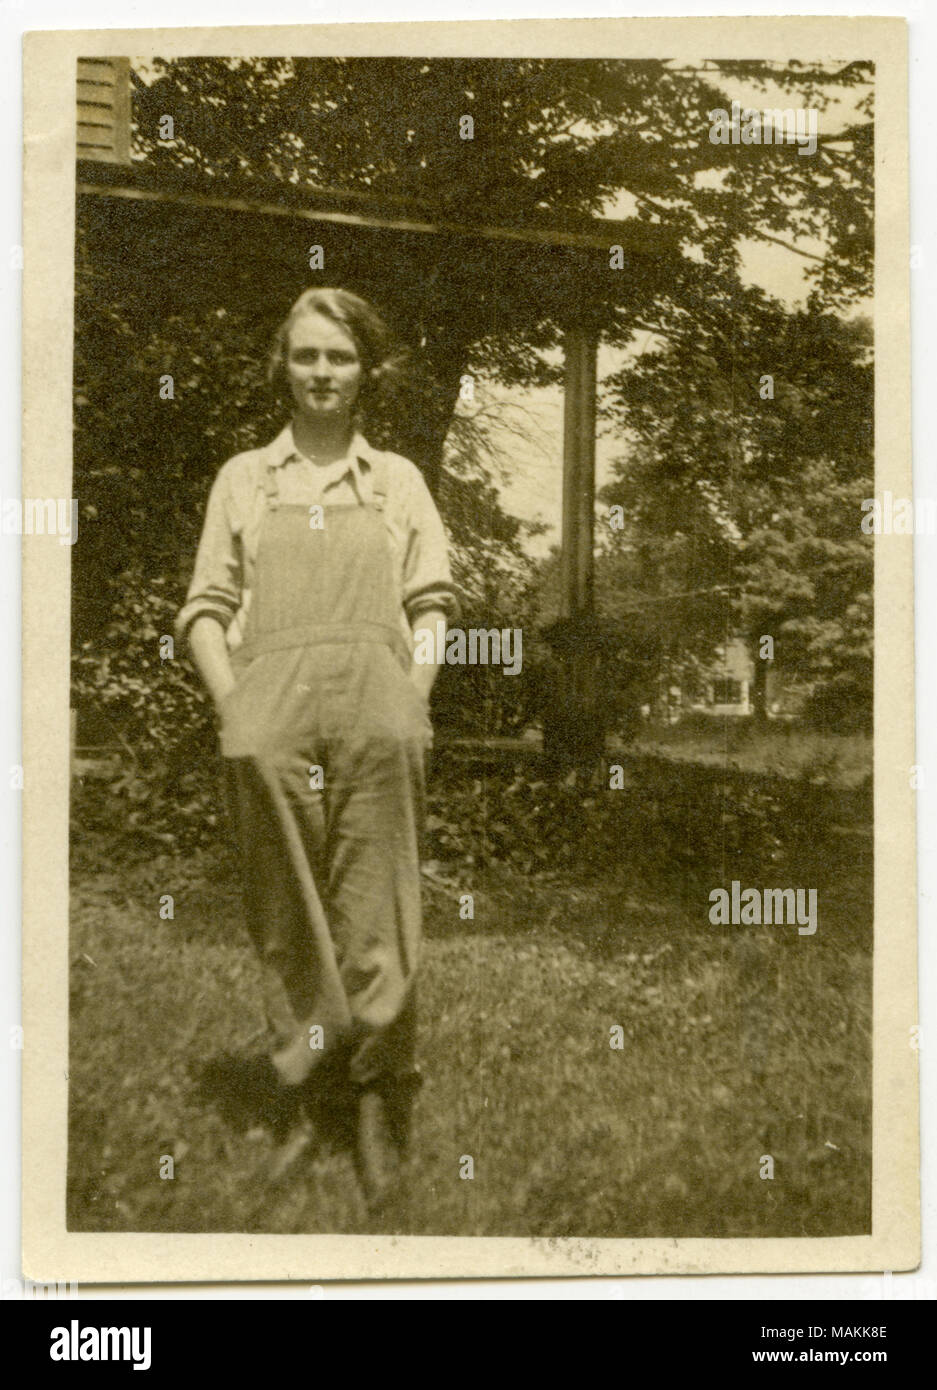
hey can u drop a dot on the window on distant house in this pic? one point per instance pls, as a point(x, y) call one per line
point(727, 691)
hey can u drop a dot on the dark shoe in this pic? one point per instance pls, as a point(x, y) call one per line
point(377, 1153)
point(331, 1102)
point(248, 1091)
point(400, 1091)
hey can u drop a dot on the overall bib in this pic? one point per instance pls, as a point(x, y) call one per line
point(323, 739)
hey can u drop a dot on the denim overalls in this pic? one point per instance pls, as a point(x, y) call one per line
point(324, 738)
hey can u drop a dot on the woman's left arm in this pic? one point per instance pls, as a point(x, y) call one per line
point(423, 673)
point(429, 594)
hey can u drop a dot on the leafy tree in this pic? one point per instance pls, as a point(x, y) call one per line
point(805, 575)
point(743, 490)
point(554, 141)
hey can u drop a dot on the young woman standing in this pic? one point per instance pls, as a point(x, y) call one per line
point(319, 556)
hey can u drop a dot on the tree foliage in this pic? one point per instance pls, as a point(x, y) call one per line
point(555, 141)
point(744, 489)
point(552, 139)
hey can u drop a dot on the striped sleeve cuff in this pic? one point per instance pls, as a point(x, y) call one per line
point(202, 608)
point(443, 597)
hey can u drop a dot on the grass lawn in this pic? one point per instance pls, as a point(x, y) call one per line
point(776, 746)
point(739, 1042)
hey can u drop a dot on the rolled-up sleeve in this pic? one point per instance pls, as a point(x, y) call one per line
point(427, 577)
point(217, 581)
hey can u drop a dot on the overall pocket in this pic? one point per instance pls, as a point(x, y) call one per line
point(241, 672)
point(412, 701)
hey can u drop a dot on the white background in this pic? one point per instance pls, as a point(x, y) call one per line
point(16, 16)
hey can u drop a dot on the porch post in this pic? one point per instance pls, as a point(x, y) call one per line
point(576, 564)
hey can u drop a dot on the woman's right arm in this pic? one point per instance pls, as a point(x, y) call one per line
point(216, 588)
point(210, 655)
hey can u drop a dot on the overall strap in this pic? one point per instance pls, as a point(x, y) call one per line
point(271, 487)
point(378, 482)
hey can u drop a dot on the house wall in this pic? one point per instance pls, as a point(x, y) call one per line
point(103, 91)
point(736, 667)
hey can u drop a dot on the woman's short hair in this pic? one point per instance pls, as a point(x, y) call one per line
point(359, 319)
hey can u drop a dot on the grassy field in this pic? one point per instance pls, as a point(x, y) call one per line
point(739, 1042)
point(776, 746)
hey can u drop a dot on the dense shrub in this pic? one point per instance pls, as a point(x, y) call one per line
point(685, 818)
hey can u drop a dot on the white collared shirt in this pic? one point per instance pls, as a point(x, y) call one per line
point(224, 567)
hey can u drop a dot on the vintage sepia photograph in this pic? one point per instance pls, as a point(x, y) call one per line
point(475, 562)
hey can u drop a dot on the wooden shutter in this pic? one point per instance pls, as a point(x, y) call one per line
point(104, 109)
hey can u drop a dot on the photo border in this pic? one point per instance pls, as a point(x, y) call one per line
point(50, 1252)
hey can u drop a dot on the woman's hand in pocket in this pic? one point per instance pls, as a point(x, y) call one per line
point(423, 672)
point(422, 688)
point(209, 650)
point(420, 684)
point(220, 696)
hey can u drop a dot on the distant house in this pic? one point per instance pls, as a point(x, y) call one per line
point(728, 688)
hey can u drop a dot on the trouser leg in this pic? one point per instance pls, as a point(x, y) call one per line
point(374, 809)
point(280, 832)
point(331, 875)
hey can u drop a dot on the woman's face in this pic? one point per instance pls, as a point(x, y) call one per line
point(323, 368)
